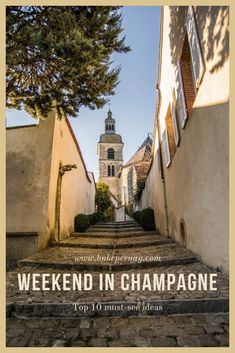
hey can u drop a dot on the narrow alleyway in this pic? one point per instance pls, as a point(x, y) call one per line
point(112, 318)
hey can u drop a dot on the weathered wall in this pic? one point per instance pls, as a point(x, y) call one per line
point(197, 180)
point(113, 183)
point(20, 245)
point(28, 161)
point(78, 189)
point(33, 157)
point(147, 198)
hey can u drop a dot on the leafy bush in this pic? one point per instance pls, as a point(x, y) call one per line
point(92, 218)
point(136, 216)
point(96, 217)
point(100, 217)
point(81, 223)
point(102, 197)
point(147, 219)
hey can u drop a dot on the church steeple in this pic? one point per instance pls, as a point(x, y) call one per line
point(110, 155)
point(109, 124)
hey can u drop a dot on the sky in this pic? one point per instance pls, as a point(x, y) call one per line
point(133, 104)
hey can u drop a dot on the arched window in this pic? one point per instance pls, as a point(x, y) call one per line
point(110, 153)
point(109, 170)
point(112, 127)
point(113, 170)
point(107, 127)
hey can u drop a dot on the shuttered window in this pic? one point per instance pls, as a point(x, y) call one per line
point(110, 153)
point(175, 125)
point(195, 49)
point(180, 99)
point(167, 156)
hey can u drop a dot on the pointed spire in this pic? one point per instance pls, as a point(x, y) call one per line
point(109, 114)
point(109, 123)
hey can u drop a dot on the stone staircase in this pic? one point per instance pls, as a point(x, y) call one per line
point(116, 317)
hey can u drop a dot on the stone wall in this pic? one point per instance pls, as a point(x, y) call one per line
point(104, 162)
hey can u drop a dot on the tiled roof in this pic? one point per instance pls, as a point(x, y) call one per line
point(142, 170)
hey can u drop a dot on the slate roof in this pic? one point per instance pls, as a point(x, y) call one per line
point(143, 153)
point(110, 138)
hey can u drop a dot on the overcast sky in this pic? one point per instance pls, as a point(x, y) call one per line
point(133, 105)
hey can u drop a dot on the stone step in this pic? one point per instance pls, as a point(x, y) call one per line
point(116, 227)
point(102, 260)
point(109, 243)
point(113, 230)
point(113, 235)
point(125, 223)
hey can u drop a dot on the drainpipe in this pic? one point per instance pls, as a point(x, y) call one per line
point(161, 165)
point(62, 170)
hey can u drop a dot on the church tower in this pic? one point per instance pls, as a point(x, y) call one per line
point(110, 156)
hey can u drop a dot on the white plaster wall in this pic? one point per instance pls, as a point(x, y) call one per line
point(78, 190)
point(33, 157)
point(197, 181)
point(28, 161)
point(124, 184)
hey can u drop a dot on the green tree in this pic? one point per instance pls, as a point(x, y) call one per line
point(59, 58)
point(102, 198)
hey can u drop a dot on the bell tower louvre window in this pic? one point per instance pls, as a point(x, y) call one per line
point(110, 153)
point(111, 170)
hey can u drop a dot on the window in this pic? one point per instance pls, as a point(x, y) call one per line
point(174, 120)
point(187, 77)
point(180, 98)
point(111, 170)
point(130, 184)
point(110, 153)
point(167, 156)
point(190, 70)
point(195, 49)
point(170, 132)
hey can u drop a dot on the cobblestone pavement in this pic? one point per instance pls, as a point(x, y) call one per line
point(198, 330)
point(118, 318)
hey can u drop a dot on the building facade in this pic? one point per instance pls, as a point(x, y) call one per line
point(110, 154)
point(189, 177)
